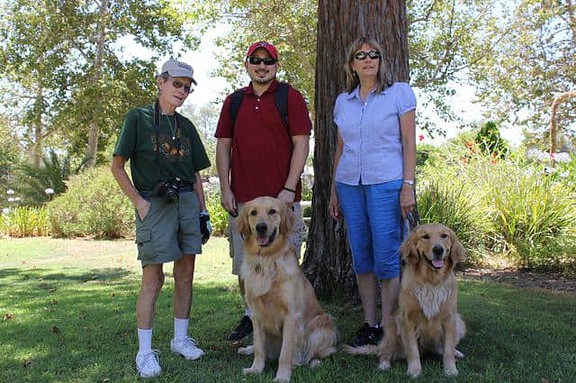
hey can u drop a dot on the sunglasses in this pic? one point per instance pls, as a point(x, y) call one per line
point(257, 60)
point(362, 55)
point(179, 84)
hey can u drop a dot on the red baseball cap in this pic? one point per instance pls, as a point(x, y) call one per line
point(263, 44)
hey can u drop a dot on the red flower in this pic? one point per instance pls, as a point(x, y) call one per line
point(421, 137)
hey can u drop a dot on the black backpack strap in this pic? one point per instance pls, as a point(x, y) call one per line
point(235, 101)
point(281, 101)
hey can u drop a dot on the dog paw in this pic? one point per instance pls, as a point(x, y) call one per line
point(450, 371)
point(248, 350)
point(414, 372)
point(282, 378)
point(384, 365)
point(251, 370)
point(458, 354)
point(314, 363)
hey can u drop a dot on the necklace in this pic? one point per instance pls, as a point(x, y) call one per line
point(171, 128)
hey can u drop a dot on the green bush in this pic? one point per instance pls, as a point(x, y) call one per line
point(25, 221)
point(218, 216)
point(500, 206)
point(93, 206)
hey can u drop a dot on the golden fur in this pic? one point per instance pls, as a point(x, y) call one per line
point(427, 318)
point(289, 324)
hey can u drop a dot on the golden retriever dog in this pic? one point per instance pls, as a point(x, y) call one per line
point(289, 324)
point(427, 318)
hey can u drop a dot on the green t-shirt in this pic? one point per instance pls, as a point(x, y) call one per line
point(180, 152)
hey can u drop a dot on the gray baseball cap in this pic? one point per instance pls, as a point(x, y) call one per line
point(177, 68)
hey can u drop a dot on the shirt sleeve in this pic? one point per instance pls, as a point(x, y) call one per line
point(298, 115)
point(406, 98)
point(127, 138)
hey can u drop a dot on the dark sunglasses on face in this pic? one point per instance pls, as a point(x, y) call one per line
point(361, 55)
point(179, 84)
point(257, 60)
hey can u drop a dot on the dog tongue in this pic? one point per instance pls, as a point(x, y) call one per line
point(263, 241)
point(438, 263)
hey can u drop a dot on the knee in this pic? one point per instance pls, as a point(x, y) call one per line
point(153, 283)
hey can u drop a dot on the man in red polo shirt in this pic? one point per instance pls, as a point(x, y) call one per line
point(259, 154)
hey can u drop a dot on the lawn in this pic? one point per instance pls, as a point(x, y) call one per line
point(67, 315)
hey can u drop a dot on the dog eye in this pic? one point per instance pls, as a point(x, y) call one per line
point(253, 212)
point(443, 235)
point(426, 236)
point(272, 211)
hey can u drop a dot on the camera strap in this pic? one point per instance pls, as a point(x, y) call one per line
point(158, 146)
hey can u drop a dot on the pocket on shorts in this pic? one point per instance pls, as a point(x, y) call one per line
point(144, 244)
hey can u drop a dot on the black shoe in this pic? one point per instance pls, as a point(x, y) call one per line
point(367, 335)
point(243, 330)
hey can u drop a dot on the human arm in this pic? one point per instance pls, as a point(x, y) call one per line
point(334, 204)
point(408, 130)
point(223, 153)
point(301, 148)
point(127, 187)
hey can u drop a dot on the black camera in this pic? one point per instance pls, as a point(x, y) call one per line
point(167, 189)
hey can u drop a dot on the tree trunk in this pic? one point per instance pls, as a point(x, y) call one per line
point(327, 261)
point(558, 100)
point(93, 127)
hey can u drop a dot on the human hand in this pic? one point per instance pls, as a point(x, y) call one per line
point(334, 207)
point(142, 207)
point(228, 202)
point(205, 226)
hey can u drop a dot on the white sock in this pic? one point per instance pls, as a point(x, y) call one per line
point(180, 328)
point(248, 313)
point(144, 340)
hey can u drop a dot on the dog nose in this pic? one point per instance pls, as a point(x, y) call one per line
point(438, 250)
point(261, 228)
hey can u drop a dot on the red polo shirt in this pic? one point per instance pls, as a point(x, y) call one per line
point(261, 144)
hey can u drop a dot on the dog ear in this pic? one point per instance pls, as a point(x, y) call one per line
point(242, 223)
point(408, 248)
point(457, 252)
point(287, 219)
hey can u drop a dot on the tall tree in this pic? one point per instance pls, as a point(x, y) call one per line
point(327, 261)
point(533, 64)
point(73, 81)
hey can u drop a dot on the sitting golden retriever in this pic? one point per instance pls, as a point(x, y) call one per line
point(289, 324)
point(427, 318)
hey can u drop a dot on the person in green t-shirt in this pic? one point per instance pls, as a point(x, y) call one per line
point(166, 155)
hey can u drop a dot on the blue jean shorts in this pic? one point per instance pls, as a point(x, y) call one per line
point(169, 230)
point(374, 224)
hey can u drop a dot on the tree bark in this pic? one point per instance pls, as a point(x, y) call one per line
point(327, 261)
point(558, 100)
point(93, 127)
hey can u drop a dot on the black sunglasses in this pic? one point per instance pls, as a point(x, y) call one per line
point(362, 55)
point(179, 84)
point(257, 60)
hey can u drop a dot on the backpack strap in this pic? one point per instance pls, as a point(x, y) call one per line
point(235, 101)
point(280, 99)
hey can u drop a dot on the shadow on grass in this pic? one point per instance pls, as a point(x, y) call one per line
point(79, 326)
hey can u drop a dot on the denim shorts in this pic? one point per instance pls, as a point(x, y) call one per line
point(169, 230)
point(236, 242)
point(374, 225)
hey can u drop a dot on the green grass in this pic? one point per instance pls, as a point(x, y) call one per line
point(67, 315)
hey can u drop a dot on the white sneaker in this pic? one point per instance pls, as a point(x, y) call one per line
point(147, 364)
point(187, 347)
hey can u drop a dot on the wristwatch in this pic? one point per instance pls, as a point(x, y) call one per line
point(409, 182)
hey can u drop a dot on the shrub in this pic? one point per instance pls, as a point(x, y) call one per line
point(218, 216)
point(94, 206)
point(25, 221)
